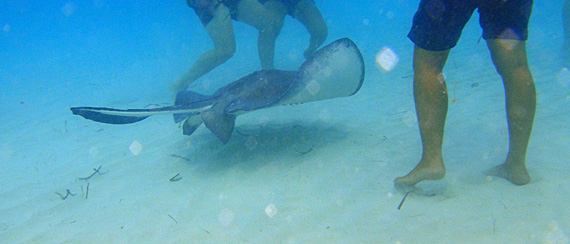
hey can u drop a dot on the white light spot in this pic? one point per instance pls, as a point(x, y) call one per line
point(226, 216)
point(441, 78)
point(7, 28)
point(293, 54)
point(453, 180)
point(555, 234)
point(251, 142)
point(325, 71)
point(339, 202)
point(389, 195)
point(325, 115)
point(135, 148)
point(263, 120)
point(68, 9)
point(313, 87)
point(387, 59)
point(93, 151)
point(509, 39)
point(271, 210)
point(410, 119)
point(563, 77)
point(489, 178)
point(509, 44)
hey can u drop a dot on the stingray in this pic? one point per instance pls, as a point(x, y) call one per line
point(336, 70)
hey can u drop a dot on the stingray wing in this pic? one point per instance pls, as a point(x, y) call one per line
point(258, 90)
point(336, 70)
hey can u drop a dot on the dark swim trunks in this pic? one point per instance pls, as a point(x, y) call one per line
point(291, 5)
point(205, 8)
point(438, 24)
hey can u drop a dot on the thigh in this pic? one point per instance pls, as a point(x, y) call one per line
point(220, 28)
point(277, 7)
point(307, 12)
point(253, 13)
point(505, 19)
point(437, 24)
point(508, 55)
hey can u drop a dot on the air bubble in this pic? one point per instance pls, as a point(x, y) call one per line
point(68, 9)
point(387, 59)
point(313, 87)
point(271, 210)
point(226, 216)
point(251, 142)
point(135, 148)
point(325, 115)
point(563, 77)
point(93, 151)
point(409, 119)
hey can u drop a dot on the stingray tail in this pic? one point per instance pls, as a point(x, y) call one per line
point(109, 115)
point(189, 97)
point(193, 120)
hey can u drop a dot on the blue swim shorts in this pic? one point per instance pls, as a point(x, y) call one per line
point(205, 8)
point(437, 24)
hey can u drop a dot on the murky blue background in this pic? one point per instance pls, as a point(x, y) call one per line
point(124, 54)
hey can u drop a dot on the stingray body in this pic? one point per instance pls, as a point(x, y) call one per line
point(336, 70)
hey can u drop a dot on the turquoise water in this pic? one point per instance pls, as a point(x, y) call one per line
point(313, 173)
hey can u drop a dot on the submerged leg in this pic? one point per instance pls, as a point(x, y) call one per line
point(221, 32)
point(268, 20)
point(509, 57)
point(430, 95)
point(309, 15)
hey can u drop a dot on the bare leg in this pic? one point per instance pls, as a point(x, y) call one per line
point(309, 15)
point(430, 95)
point(269, 21)
point(509, 57)
point(221, 32)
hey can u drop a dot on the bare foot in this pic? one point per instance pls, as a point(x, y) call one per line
point(516, 175)
point(434, 170)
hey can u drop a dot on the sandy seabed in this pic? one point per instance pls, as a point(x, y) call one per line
point(314, 173)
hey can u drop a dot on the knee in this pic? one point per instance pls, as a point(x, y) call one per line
point(224, 53)
point(273, 26)
point(321, 32)
point(514, 72)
